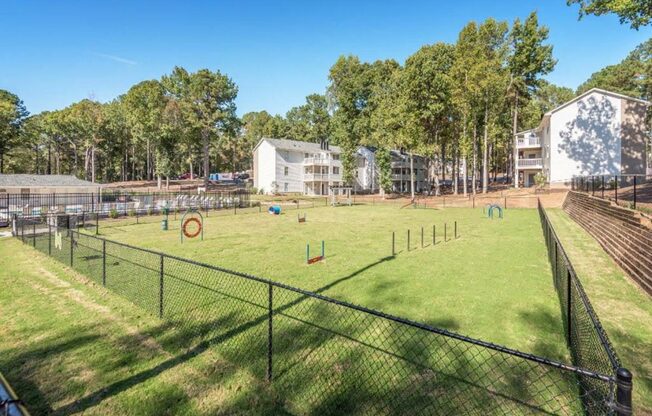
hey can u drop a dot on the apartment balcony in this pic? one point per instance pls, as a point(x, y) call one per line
point(529, 163)
point(406, 177)
point(319, 161)
point(528, 142)
point(322, 177)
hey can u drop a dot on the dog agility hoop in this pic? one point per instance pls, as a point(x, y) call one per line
point(192, 226)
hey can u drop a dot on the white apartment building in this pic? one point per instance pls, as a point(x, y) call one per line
point(596, 133)
point(291, 166)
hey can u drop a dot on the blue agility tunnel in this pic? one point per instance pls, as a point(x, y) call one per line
point(274, 209)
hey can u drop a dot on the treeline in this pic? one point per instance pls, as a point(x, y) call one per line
point(458, 104)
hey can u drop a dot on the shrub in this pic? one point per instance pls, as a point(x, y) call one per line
point(540, 179)
point(113, 213)
point(132, 212)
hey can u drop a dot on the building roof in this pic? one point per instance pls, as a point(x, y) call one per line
point(43, 180)
point(297, 145)
point(583, 95)
point(599, 91)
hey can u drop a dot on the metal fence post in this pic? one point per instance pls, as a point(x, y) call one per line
point(34, 235)
point(72, 237)
point(445, 232)
point(592, 185)
point(49, 239)
point(634, 191)
point(408, 241)
point(104, 263)
point(97, 223)
point(393, 240)
point(455, 229)
point(160, 291)
point(569, 306)
point(270, 314)
point(421, 237)
point(602, 186)
point(616, 180)
point(623, 392)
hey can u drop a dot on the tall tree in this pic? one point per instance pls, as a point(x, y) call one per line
point(636, 13)
point(427, 86)
point(632, 76)
point(529, 60)
point(207, 100)
point(12, 115)
point(311, 121)
point(145, 103)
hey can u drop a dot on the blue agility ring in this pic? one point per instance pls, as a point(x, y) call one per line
point(490, 213)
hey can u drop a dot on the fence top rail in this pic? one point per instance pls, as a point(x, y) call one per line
point(604, 340)
point(404, 321)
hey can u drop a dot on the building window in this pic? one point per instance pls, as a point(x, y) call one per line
point(285, 171)
point(306, 155)
point(336, 170)
point(285, 186)
point(336, 156)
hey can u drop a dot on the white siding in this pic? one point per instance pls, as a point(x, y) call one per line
point(293, 161)
point(585, 138)
point(265, 163)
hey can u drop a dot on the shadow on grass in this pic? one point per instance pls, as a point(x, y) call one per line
point(330, 359)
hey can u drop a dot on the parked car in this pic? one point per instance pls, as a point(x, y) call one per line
point(186, 175)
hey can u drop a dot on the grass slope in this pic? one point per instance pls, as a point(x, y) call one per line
point(624, 309)
point(69, 346)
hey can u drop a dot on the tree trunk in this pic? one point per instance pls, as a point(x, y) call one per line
point(192, 175)
point(456, 169)
point(49, 168)
point(464, 175)
point(205, 143)
point(2, 162)
point(93, 163)
point(485, 155)
point(513, 155)
point(147, 163)
point(412, 175)
point(133, 163)
point(474, 177)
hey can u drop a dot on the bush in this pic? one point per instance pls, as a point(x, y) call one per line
point(113, 213)
point(540, 179)
point(150, 211)
point(132, 212)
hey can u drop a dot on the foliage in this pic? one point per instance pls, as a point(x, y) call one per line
point(636, 13)
point(540, 179)
point(113, 213)
point(632, 76)
point(384, 169)
point(12, 115)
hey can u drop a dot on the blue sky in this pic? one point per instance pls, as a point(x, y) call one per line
point(53, 53)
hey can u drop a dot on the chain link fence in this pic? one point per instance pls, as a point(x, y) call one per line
point(587, 340)
point(325, 356)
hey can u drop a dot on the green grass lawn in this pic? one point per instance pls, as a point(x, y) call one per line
point(493, 283)
point(69, 346)
point(623, 308)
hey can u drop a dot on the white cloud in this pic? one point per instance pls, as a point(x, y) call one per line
point(116, 59)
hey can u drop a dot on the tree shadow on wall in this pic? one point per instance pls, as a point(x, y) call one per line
point(591, 139)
